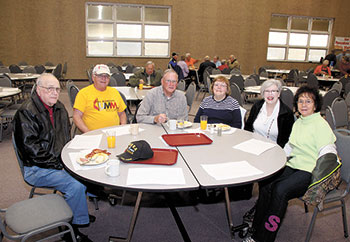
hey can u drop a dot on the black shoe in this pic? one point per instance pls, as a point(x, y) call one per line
point(79, 236)
point(92, 218)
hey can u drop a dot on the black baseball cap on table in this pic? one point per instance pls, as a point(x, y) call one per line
point(136, 150)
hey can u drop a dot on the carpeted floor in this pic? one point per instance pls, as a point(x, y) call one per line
point(204, 222)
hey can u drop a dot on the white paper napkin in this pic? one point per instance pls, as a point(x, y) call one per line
point(86, 142)
point(230, 170)
point(122, 130)
point(254, 146)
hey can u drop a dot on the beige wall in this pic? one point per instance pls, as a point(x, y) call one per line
point(54, 30)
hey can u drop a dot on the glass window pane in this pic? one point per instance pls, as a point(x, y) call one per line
point(296, 54)
point(298, 39)
point(277, 38)
point(279, 22)
point(102, 48)
point(319, 40)
point(100, 30)
point(100, 12)
point(129, 13)
point(300, 23)
point(156, 15)
point(129, 31)
point(156, 49)
point(156, 32)
point(128, 48)
point(320, 25)
point(276, 53)
point(315, 55)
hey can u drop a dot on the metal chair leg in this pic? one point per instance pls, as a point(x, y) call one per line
point(345, 222)
point(311, 226)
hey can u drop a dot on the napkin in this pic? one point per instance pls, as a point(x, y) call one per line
point(230, 170)
point(122, 130)
point(254, 146)
point(85, 142)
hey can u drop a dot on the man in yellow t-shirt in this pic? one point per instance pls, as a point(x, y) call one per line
point(98, 105)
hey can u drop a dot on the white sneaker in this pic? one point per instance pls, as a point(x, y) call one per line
point(248, 239)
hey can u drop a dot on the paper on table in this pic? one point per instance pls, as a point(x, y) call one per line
point(86, 142)
point(74, 156)
point(259, 146)
point(230, 170)
point(163, 176)
point(122, 130)
point(197, 130)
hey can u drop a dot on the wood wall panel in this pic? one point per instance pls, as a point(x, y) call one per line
point(47, 30)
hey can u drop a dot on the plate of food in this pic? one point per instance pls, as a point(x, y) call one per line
point(147, 87)
point(95, 157)
point(224, 127)
point(183, 124)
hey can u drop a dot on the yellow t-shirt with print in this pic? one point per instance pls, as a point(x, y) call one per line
point(100, 108)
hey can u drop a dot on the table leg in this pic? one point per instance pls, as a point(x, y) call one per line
point(177, 218)
point(132, 222)
point(228, 212)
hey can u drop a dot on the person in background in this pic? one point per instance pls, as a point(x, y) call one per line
point(183, 66)
point(98, 105)
point(332, 58)
point(41, 128)
point(220, 107)
point(190, 61)
point(173, 61)
point(344, 66)
point(206, 63)
point(223, 65)
point(147, 76)
point(163, 102)
point(323, 69)
point(233, 63)
point(306, 145)
point(216, 61)
point(341, 55)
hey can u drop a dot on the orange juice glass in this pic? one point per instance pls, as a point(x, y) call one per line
point(111, 141)
point(140, 86)
point(204, 122)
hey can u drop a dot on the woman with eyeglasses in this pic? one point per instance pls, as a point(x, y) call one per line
point(310, 139)
point(220, 107)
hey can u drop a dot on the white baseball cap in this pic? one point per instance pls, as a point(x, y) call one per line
point(101, 69)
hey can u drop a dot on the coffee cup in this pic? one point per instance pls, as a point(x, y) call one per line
point(172, 124)
point(112, 168)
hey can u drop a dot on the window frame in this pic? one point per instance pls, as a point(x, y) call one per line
point(114, 22)
point(309, 32)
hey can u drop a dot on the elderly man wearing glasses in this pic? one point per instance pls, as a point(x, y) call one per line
point(163, 102)
point(41, 128)
point(98, 105)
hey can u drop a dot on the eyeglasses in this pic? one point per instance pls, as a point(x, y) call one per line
point(219, 84)
point(171, 81)
point(52, 89)
point(271, 91)
point(103, 76)
point(307, 102)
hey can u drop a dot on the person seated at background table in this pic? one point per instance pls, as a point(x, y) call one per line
point(182, 64)
point(220, 107)
point(147, 76)
point(310, 139)
point(41, 128)
point(98, 105)
point(223, 65)
point(233, 63)
point(173, 61)
point(344, 66)
point(190, 61)
point(206, 63)
point(271, 118)
point(216, 61)
point(323, 69)
point(332, 58)
point(164, 102)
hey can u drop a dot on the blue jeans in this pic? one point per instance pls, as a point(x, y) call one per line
point(73, 190)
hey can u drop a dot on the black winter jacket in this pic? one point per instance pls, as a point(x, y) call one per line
point(38, 142)
point(285, 121)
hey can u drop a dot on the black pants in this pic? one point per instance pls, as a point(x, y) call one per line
point(274, 194)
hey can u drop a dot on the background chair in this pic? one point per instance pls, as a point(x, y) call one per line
point(340, 112)
point(64, 73)
point(235, 71)
point(236, 93)
point(338, 86)
point(190, 93)
point(239, 80)
point(120, 79)
point(4, 69)
point(29, 69)
point(312, 80)
point(129, 68)
point(181, 85)
point(328, 99)
point(40, 69)
point(330, 117)
point(287, 97)
point(203, 87)
point(37, 215)
point(15, 68)
point(337, 195)
point(112, 82)
point(57, 72)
